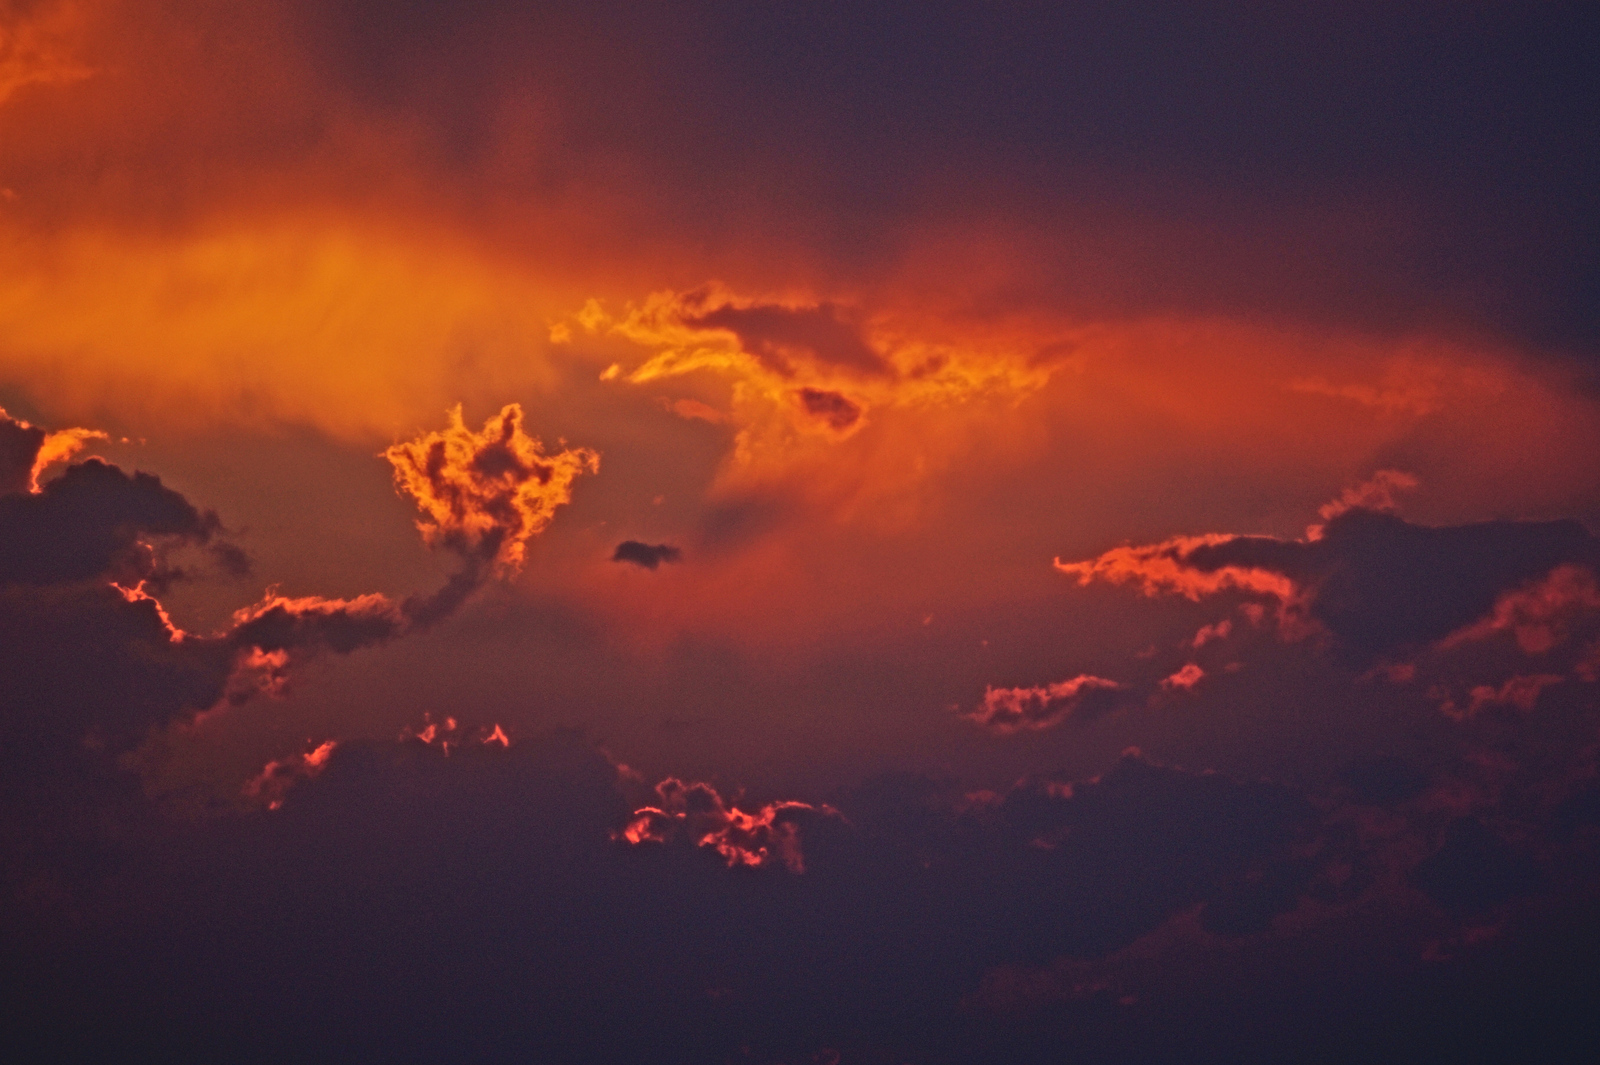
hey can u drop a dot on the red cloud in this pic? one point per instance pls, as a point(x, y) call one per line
point(1539, 614)
point(697, 813)
point(1520, 693)
point(1010, 710)
point(1185, 678)
point(279, 775)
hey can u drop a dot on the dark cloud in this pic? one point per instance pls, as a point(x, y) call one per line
point(95, 520)
point(1475, 870)
point(86, 664)
point(1415, 164)
point(647, 555)
point(695, 815)
point(401, 894)
point(777, 335)
point(836, 409)
point(1379, 584)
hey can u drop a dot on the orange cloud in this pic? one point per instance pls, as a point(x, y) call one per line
point(1207, 633)
point(1375, 493)
point(485, 493)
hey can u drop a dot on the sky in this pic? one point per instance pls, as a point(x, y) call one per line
point(798, 533)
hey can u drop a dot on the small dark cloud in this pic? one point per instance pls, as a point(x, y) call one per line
point(835, 408)
point(647, 555)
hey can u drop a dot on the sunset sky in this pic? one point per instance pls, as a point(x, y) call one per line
point(799, 532)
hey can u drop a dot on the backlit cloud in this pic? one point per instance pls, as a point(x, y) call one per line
point(1010, 710)
point(695, 813)
point(483, 494)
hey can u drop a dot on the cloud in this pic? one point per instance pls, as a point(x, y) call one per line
point(778, 334)
point(1377, 583)
point(1375, 493)
point(935, 914)
point(1539, 615)
point(37, 45)
point(1520, 693)
point(649, 556)
point(275, 779)
point(483, 494)
point(1165, 568)
point(697, 815)
point(311, 623)
point(1185, 678)
point(1010, 710)
point(100, 661)
point(26, 451)
point(95, 520)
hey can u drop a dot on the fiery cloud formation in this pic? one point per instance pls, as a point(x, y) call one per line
point(484, 494)
point(1169, 567)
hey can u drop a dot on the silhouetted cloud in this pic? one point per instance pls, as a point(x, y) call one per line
point(649, 556)
point(92, 657)
point(1376, 582)
point(95, 520)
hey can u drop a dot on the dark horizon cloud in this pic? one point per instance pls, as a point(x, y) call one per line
point(1071, 896)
